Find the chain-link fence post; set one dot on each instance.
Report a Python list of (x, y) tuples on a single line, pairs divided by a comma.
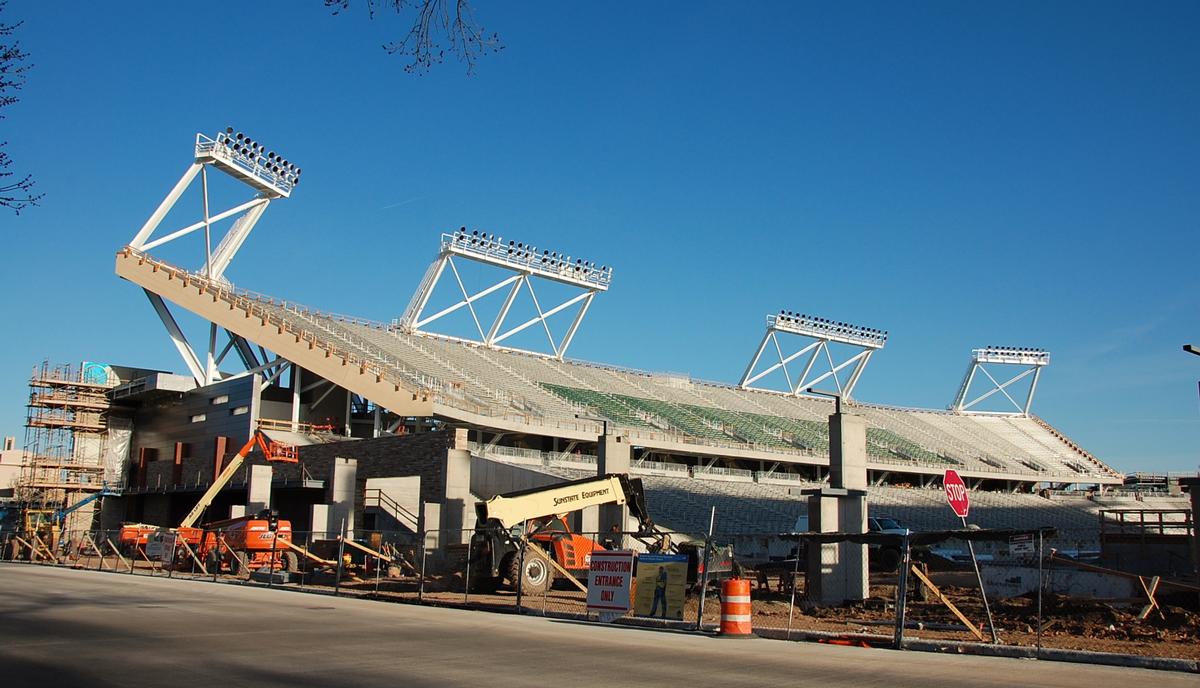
[(337, 581), (902, 592), (378, 561), (524, 545), (216, 560), (421, 583), (467, 574), (305, 563), (792, 585), (712, 520)]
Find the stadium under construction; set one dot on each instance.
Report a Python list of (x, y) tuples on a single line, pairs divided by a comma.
[(401, 425)]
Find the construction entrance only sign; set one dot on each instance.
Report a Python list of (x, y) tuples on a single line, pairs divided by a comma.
[(610, 578)]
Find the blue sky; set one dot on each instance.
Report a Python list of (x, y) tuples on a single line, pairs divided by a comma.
[(959, 174)]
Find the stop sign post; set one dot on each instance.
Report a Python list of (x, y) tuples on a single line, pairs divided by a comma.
[(956, 494), (960, 501)]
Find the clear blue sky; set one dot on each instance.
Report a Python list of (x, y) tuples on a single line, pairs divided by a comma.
[(960, 174)]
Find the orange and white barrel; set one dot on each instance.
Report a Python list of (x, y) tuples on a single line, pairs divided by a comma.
[(736, 612)]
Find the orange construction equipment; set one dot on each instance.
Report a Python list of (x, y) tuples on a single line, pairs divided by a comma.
[(135, 535), (736, 611)]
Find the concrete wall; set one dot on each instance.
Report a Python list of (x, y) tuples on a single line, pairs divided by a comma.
[(10, 469), (160, 426)]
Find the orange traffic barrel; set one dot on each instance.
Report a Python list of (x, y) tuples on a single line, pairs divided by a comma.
[(735, 609)]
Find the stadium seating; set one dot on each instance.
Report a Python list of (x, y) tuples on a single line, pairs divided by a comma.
[(712, 413)]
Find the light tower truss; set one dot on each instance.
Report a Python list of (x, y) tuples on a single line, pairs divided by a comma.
[(270, 177), (524, 265), (1029, 362), (814, 335)]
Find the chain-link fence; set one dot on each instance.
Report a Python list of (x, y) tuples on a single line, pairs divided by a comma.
[(932, 593)]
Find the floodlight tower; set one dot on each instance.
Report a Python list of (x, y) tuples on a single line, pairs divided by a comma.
[(816, 334), (1029, 361), (524, 262), (246, 160)]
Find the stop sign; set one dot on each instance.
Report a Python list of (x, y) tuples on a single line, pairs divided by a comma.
[(956, 493)]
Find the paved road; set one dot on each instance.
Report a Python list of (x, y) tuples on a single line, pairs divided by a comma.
[(75, 628)]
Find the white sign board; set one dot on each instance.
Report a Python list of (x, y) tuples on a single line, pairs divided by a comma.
[(610, 578), (1020, 545), (161, 545)]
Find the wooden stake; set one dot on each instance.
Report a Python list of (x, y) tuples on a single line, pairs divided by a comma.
[(946, 601)]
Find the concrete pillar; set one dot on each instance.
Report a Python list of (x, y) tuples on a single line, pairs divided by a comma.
[(258, 489), (320, 521), (614, 454), (458, 507), (343, 482), (433, 518), (848, 451), (589, 520), (837, 572), (1192, 485)]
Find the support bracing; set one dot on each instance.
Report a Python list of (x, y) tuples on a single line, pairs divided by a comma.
[(269, 177), (525, 267), (1027, 363), (814, 335)]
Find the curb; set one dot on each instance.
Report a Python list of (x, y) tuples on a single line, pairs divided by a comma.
[(877, 641)]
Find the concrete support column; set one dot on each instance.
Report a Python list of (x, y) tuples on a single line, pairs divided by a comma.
[(848, 451), (837, 573), (258, 489), (320, 521), (614, 455), (296, 387), (343, 481), (458, 507)]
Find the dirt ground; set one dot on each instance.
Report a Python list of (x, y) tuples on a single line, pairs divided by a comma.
[(1069, 624)]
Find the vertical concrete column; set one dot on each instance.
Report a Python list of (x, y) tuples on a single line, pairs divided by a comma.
[(433, 519), (320, 521), (343, 481), (848, 451), (258, 489), (614, 455), (822, 560), (458, 507), (838, 572)]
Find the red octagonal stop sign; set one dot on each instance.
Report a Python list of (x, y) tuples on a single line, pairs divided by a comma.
[(956, 493)]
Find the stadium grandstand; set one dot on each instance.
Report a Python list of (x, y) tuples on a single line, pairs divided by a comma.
[(535, 416)]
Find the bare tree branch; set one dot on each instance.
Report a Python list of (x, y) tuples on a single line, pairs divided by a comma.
[(439, 26), (15, 194)]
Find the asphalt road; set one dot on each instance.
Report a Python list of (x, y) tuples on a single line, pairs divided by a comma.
[(79, 628)]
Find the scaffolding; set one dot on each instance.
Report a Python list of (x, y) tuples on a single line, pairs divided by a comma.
[(66, 435)]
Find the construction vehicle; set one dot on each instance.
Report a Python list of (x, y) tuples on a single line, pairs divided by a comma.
[(524, 536), (240, 545), (233, 543)]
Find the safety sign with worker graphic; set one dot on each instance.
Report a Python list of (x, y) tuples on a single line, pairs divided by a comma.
[(661, 586)]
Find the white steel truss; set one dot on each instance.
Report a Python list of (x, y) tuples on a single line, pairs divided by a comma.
[(270, 177), (815, 335), (525, 266), (1029, 362)]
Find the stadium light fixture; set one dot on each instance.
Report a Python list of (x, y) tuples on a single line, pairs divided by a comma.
[(270, 176), (524, 262), (819, 333), (525, 257), (822, 328), (243, 157), (1030, 360)]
